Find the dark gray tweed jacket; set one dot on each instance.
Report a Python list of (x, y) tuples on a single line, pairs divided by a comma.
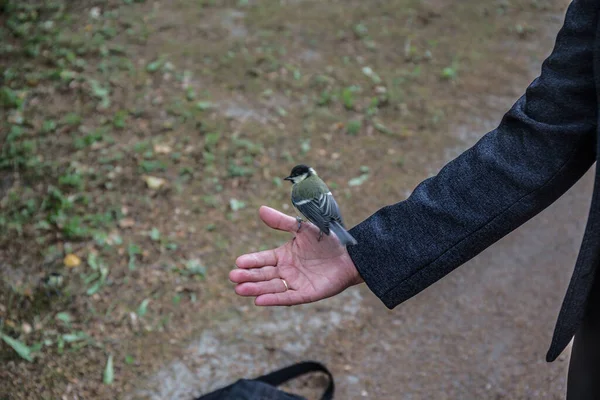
[(542, 146)]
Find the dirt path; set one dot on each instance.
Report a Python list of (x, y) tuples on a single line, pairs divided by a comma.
[(480, 333)]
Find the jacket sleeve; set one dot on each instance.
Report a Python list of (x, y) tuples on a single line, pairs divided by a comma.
[(542, 146)]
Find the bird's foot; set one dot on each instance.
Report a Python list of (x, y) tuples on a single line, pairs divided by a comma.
[(320, 236), (299, 221)]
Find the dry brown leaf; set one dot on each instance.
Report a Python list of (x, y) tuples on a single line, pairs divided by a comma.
[(126, 223), (162, 148), (153, 182), (72, 261)]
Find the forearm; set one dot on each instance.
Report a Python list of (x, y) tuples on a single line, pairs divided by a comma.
[(544, 144), (454, 216)]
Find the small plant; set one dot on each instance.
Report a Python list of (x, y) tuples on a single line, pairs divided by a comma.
[(451, 71), (360, 30), (72, 119), (97, 278), (235, 170), (348, 96), (10, 98), (119, 119), (324, 98), (211, 139), (98, 135), (148, 166), (194, 267), (247, 145), (73, 180), (49, 126), (100, 92), (204, 105), (210, 200), (305, 146), (354, 126), (155, 234), (155, 65), (190, 94), (133, 251)]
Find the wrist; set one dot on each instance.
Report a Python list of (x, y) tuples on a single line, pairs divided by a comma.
[(355, 277)]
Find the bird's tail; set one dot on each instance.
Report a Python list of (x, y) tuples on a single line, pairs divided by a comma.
[(341, 233)]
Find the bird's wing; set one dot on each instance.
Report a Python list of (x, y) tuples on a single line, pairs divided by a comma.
[(319, 210)]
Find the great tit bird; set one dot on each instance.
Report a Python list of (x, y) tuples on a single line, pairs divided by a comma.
[(313, 200)]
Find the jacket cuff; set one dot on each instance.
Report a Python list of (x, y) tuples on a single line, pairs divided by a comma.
[(364, 255)]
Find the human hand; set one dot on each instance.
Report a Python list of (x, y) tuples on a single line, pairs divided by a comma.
[(313, 270)]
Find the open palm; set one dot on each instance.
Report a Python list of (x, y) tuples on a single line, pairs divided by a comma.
[(313, 269)]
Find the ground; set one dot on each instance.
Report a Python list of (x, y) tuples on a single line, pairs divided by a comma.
[(139, 138)]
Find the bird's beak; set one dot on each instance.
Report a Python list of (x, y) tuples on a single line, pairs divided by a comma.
[(289, 178)]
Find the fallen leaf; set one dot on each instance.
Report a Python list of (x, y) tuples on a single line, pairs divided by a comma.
[(154, 65), (162, 148), (204, 105), (95, 12), (26, 328), (195, 267), (27, 292), (21, 348), (143, 308), (126, 223), (358, 180), (92, 261), (109, 373), (368, 71), (94, 288), (153, 182), (155, 234), (236, 204), (64, 317), (382, 128), (72, 261)]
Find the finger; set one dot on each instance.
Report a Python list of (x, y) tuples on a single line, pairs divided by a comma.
[(253, 275), (258, 288), (255, 260), (287, 298), (277, 220)]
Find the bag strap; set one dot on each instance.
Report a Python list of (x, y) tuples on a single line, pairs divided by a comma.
[(282, 375)]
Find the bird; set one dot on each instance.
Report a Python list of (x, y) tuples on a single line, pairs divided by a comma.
[(313, 200)]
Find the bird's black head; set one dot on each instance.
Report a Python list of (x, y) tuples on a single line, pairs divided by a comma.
[(299, 173)]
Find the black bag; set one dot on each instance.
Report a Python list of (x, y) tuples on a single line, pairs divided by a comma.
[(265, 387)]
